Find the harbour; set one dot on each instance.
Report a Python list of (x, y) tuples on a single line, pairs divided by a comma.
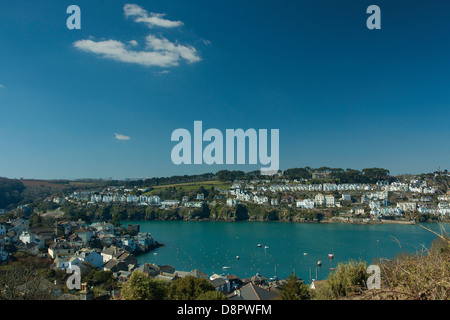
[(275, 249)]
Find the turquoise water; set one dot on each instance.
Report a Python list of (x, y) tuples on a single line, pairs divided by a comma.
[(209, 246)]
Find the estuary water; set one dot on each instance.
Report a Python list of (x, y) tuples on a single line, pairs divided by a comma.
[(284, 246)]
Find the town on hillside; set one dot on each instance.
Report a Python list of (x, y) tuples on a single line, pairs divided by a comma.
[(412, 199), (88, 228)]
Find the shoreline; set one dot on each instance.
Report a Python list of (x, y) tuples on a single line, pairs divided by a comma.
[(327, 221)]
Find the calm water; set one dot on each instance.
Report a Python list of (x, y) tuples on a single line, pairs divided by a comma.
[(209, 246)]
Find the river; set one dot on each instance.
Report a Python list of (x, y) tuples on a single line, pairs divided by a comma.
[(210, 246)]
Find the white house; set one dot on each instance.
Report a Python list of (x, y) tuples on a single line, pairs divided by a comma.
[(170, 203), (346, 197), (329, 200), (90, 256), (319, 199), (407, 206), (220, 283), (132, 198), (27, 237), (200, 196), (305, 204)]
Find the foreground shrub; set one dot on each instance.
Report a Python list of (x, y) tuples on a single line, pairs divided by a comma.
[(424, 276), (348, 278), (295, 289)]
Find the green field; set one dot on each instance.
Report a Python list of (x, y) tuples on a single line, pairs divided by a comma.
[(192, 186)]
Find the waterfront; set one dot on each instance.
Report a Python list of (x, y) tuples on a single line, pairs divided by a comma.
[(210, 246)]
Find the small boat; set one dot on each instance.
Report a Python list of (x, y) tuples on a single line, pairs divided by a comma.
[(155, 253), (266, 247), (237, 257), (259, 245), (330, 255), (305, 253), (331, 269), (226, 267), (319, 263)]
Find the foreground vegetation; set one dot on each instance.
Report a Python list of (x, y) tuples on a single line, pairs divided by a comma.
[(421, 276)]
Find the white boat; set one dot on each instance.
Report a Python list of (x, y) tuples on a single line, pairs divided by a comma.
[(319, 263), (237, 257), (305, 253), (330, 255), (226, 267), (266, 247), (259, 245)]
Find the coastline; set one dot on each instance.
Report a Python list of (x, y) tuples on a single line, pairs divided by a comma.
[(323, 221)]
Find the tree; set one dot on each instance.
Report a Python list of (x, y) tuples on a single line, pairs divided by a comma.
[(142, 287), (35, 220), (189, 288), (295, 289), (27, 279)]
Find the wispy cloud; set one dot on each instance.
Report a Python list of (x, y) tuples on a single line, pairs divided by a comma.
[(150, 19), (118, 51), (158, 51), (121, 137), (163, 45), (1, 86)]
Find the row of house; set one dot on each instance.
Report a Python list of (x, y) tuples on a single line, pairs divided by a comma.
[(122, 198), (320, 187), (415, 186), (253, 288)]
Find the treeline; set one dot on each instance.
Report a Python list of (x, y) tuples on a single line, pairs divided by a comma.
[(164, 180), (338, 175), (11, 192)]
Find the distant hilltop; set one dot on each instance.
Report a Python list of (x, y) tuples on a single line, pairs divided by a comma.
[(21, 191)]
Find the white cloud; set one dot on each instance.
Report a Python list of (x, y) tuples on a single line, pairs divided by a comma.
[(150, 19), (121, 137), (2, 86), (188, 53), (159, 51), (117, 50)]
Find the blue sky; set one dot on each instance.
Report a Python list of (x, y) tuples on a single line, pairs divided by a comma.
[(340, 94)]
